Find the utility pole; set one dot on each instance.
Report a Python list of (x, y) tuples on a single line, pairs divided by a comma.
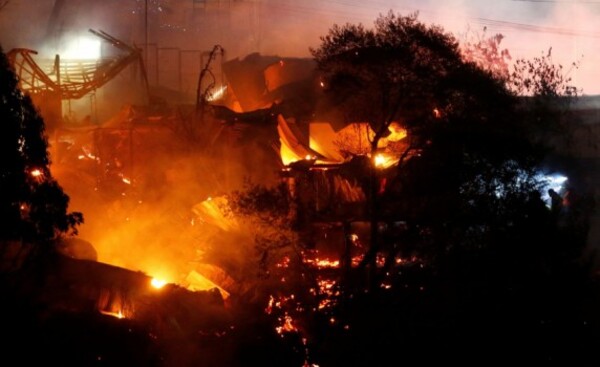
[(146, 33)]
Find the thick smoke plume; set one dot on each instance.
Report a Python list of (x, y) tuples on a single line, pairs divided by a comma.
[(148, 223)]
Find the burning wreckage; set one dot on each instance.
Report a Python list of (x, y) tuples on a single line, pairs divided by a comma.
[(268, 106), (72, 280)]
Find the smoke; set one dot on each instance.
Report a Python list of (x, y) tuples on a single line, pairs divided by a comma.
[(149, 224), (530, 28), (289, 28), (138, 188)]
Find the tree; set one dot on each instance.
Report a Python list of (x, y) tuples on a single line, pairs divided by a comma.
[(404, 71), (548, 95), (387, 73), (486, 52), (490, 257), (32, 204)]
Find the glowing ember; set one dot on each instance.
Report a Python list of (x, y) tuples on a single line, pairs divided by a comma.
[(380, 160), (326, 286), (126, 180), (218, 94), (87, 154), (279, 303), (380, 261), (284, 263), (325, 303), (118, 315), (356, 260), (323, 263), (36, 173), (157, 283), (287, 325)]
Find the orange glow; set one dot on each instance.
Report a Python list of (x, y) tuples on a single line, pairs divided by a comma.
[(118, 315), (384, 161), (86, 154), (380, 261), (397, 132), (284, 263), (325, 303), (36, 173), (324, 263), (195, 281), (157, 283), (218, 94), (356, 260), (379, 160), (287, 325)]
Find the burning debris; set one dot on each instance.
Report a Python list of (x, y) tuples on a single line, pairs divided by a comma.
[(64, 284)]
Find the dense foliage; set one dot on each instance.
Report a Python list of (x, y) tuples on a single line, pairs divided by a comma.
[(33, 206), (488, 259)]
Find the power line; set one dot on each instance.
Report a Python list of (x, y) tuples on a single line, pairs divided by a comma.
[(536, 28), (353, 13), (560, 1)]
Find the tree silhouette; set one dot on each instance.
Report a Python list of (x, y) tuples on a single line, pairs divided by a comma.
[(489, 257), (33, 206), (459, 117)]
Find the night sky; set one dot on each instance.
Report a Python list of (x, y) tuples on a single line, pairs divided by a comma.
[(289, 28)]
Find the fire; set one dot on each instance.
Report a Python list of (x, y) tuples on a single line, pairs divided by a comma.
[(284, 263), (218, 94), (157, 283), (36, 173), (382, 161), (380, 261), (287, 325), (325, 303), (356, 260), (324, 263), (86, 154), (118, 314)]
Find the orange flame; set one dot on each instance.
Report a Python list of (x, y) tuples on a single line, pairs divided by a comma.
[(157, 283), (118, 314)]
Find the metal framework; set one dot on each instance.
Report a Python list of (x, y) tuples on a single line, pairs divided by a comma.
[(72, 79)]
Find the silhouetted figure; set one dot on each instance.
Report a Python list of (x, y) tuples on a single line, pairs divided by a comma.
[(556, 202)]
